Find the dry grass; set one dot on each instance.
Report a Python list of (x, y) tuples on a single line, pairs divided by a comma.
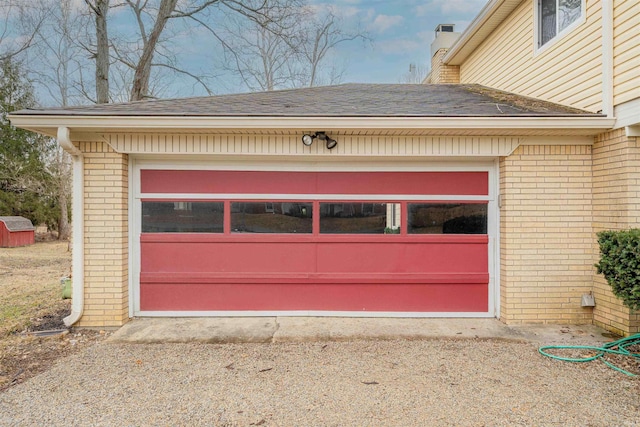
[(31, 299), (30, 283)]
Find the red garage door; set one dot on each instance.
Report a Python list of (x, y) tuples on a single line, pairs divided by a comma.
[(314, 241)]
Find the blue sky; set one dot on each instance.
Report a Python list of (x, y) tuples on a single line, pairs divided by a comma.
[(402, 31)]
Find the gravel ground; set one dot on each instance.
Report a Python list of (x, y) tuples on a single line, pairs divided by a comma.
[(360, 383)]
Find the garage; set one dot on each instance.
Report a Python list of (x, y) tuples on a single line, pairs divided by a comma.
[(361, 243)]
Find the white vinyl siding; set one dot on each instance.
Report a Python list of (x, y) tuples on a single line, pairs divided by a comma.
[(290, 144)]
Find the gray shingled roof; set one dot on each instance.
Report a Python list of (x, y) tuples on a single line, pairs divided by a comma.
[(17, 223), (348, 100)]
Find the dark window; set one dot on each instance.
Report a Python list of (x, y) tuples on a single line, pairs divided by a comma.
[(182, 217), (447, 218), (271, 217), (556, 15), (359, 218)]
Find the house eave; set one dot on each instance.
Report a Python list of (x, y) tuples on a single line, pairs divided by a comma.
[(491, 15), (86, 126)]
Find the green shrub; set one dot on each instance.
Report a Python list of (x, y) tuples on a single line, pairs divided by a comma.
[(620, 264)]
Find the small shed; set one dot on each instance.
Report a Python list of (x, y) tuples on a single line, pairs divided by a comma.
[(16, 231)]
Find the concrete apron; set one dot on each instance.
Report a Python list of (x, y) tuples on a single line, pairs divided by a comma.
[(301, 329)]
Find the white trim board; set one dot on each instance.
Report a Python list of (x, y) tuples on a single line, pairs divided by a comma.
[(628, 114), (492, 167), (311, 313), (284, 197)]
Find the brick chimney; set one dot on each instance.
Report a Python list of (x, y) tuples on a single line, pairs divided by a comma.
[(441, 73)]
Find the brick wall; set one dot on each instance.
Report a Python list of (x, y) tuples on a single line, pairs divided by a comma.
[(616, 206), (546, 236), (441, 73), (105, 239)]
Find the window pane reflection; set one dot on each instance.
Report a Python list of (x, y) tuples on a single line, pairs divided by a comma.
[(359, 218), (447, 218), (182, 217), (271, 217)]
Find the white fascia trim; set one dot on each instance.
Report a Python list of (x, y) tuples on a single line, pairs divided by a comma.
[(478, 22), (310, 313), (157, 124), (557, 140), (632, 131), (77, 207), (329, 197), (628, 116), (607, 58)]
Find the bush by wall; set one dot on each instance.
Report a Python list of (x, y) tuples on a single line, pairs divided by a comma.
[(620, 264)]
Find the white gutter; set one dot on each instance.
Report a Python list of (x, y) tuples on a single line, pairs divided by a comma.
[(105, 124), (77, 262), (607, 58), (481, 18)]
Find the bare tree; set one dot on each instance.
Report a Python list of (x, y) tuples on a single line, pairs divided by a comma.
[(262, 51), (140, 88), (152, 19), (26, 18), (100, 8), (286, 49), (277, 43), (415, 75), (321, 34), (58, 164)]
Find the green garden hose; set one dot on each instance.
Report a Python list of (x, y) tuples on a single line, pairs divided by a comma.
[(619, 347)]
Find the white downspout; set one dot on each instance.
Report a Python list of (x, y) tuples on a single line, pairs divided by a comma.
[(77, 209), (607, 58)]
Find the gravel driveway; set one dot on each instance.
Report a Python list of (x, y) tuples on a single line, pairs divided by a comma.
[(363, 383)]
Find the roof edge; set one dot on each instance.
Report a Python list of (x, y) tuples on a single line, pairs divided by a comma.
[(487, 15), (49, 125)]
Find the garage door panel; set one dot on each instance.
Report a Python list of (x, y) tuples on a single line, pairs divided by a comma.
[(404, 256), (251, 182), (227, 257), (366, 256), (435, 258), (367, 297)]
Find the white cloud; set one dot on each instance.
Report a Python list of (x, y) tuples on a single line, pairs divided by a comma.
[(401, 46), (398, 46), (341, 11), (383, 22), (450, 7)]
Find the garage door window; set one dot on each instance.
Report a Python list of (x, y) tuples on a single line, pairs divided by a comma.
[(447, 218), (271, 217), (359, 218), (182, 217)]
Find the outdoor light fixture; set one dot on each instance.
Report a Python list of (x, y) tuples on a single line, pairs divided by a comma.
[(307, 139)]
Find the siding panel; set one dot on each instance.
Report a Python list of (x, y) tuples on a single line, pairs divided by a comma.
[(626, 51)]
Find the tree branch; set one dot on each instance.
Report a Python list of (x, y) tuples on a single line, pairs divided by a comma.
[(193, 76)]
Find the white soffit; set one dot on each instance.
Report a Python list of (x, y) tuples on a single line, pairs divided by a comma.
[(489, 18)]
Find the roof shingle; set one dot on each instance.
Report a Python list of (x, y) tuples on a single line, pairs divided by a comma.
[(348, 100)]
